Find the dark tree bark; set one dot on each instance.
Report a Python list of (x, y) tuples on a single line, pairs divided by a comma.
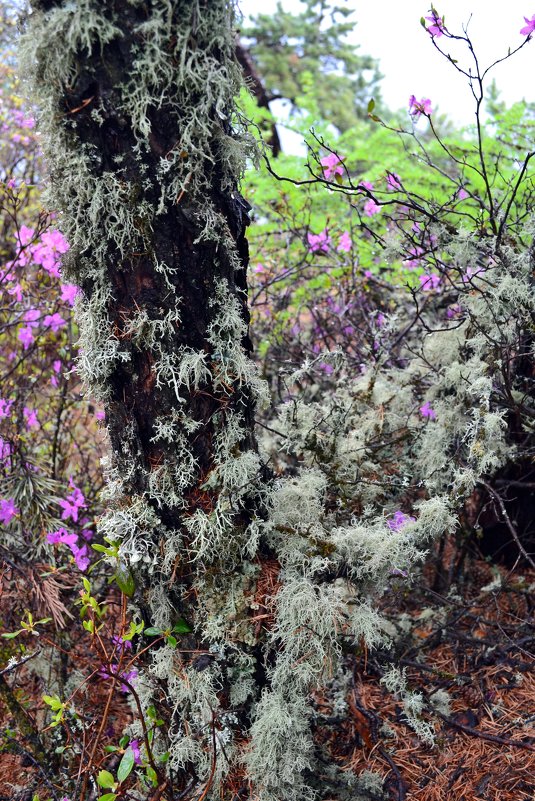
[(137, 113)]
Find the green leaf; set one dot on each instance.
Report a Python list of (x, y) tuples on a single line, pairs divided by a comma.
[(87, 585), (53, 702), (108, 797), (152, 632), (125, 580), (100, 549), (152, 775), (105, 779), (182, 627), (12, 634), (371, 106), (125, 765), (123, 742), (172, 641)]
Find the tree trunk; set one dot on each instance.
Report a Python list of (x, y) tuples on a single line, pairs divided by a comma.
[(138, 118)]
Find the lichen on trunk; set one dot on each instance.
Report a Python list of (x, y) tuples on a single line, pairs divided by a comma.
[(145, 151)]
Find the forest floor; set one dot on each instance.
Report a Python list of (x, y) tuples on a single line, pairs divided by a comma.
[(475, 641)]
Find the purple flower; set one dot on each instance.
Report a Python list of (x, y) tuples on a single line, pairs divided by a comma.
[(319, 242), (393, 180), (81, 557), (429, 282), (8, 510), (427, 411), (136, 753), (31, 418), (344, 244), (25, 336), (399, 520), (5, 450), (120, 644), (437, 24), (371, 208), (529, 27), (5, 407), (419, 107), (54, 321), (332, 165), (68, 293)]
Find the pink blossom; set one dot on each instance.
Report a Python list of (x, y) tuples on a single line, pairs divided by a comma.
[(344, 244), (25, 336), (332, 165), (5, 450), (32, 316), (259, 268), (393, 180), (81, 557), (31, 418), (54, 321), (437, 24), (100, 414), (8, 510), (16, 290), (25, 235), (366, 185), (56, 365), (400, 519), (429, 282), (371, 208), (462, 194), (419, 107), (5, 407), (136, 753), (319, 242), (121, 645), (69, 293), (427, 411), (529, 27)]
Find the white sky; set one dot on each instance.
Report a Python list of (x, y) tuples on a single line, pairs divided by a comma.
[(390, 31)]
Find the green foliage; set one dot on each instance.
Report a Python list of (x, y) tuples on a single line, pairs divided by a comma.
[(292, 49)]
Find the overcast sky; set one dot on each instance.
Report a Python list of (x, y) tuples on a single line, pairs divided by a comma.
[(390, 31)]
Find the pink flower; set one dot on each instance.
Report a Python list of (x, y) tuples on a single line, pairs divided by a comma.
[(344, 244), (429, 282), (437, 24), (427, 411), (319, 242), (54, 321), (529, 27), (81, 557), (462, 194), (8, 510), (32, 316), (5, 407), (400, 519), (25, 336), (259, 268), (393, 180), (371, 208), (332, 165), (16, 290), (136, 753), (419, 107), (5, 450), (69, 293), (31, 418), (366, 185)]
